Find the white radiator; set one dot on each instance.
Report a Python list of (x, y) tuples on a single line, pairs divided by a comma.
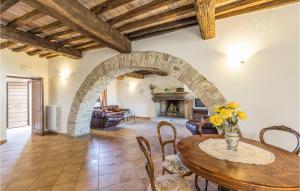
[(52, 117)]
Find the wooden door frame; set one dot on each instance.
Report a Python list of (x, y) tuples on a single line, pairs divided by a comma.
[(28, 78), (32, 116)]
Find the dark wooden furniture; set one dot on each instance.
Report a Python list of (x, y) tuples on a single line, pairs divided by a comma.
[(179, 167), (170, 183), (282, 128), (163, 143), (202, 127), (199, 113), (281, 175)]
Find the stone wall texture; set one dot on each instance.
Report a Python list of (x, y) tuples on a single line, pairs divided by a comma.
[(84, 100)]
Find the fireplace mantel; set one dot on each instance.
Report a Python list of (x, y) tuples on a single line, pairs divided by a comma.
[(156, 97)]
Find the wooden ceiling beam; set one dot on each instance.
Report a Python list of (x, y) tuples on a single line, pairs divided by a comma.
[(238, 5), (153, 5), (25, 19), (172, 14), (161, 27), (108, 5), (52, 56), (259, 7), (37, 42), (164, 31), (21, 48), (85, 44), (6, 4), (74, 15), (7, 44), (156, 4), (45, 54), (91, 47), (205, 12), (51, 26), (73, 40), (60, 34), (35, 52)]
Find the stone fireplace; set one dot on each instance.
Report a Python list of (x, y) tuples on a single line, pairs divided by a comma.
[(172, 104)]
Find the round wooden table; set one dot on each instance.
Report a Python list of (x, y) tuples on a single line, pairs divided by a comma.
[(282, 174)]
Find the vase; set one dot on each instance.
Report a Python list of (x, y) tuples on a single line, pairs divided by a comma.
[(232, 140)]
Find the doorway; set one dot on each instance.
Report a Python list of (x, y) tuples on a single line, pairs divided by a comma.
[(25, 104)]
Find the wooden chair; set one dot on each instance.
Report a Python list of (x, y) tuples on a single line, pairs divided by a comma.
[(172, 182), (282, 128), (172, 163)]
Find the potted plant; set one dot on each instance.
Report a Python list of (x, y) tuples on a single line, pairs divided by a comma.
[(226, 118)]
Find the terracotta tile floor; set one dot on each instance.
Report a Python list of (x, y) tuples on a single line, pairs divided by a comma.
[(107, 160)]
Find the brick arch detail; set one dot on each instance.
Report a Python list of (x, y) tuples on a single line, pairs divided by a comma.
[(84, 100)]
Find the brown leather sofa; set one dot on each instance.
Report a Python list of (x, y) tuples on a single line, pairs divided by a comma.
[(108, 116)]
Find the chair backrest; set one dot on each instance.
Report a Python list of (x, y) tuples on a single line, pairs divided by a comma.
[(282, 128), (171, 141), (146, 149)]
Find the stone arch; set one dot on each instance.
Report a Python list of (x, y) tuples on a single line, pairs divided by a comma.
[(84, 100)]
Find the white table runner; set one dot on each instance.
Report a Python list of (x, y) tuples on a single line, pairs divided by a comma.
[(246, 153)]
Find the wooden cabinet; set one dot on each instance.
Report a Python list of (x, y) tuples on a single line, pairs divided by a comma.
[(198, 114)]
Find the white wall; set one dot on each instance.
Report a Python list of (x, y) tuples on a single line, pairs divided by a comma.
[(135, 94), (266, 86), (112, 93), (10, 64)]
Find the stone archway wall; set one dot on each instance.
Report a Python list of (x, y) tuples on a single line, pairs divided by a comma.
[(105, 72)]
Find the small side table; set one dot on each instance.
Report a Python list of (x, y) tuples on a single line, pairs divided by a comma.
[(128, 115)]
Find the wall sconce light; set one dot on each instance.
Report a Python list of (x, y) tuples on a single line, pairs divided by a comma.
[(64, 74), (132, 86), (238, 54)]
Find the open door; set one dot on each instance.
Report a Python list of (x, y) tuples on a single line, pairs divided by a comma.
[(37, 107)]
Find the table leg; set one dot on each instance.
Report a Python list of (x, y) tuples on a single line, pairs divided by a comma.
[(196, 183)]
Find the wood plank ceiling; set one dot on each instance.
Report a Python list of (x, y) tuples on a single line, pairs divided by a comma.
[(50, 28)]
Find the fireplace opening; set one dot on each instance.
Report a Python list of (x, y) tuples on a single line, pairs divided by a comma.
[(173, 109)]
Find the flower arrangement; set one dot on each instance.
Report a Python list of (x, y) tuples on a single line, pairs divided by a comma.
[(227, 116)]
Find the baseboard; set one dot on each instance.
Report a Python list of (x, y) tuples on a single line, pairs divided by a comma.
[(3, 141), (55, 133)]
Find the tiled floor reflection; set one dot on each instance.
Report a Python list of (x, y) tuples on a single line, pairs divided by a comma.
[(108, 160)]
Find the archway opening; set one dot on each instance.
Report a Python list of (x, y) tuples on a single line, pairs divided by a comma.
[(107, 71)]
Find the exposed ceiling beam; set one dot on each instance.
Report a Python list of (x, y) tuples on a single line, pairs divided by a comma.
[(25, 19), (51, 26), (91, 47), (221, 12), (108, 5), (73, 39), (259, 7), (161, 27), (35, 52), (156, 4), (153, 5), (164, 31), (238, 5), (157, 18), (7, 44), (205, 12), (60, 34), (21, 48), (52, 56), (85, 44), (6, 4), (45, 54), (75, 15), (37, 42)]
